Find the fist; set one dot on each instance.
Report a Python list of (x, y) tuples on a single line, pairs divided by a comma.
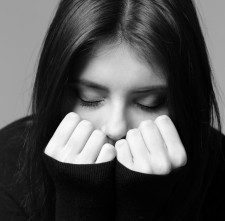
[(76, 141), (152, 148)]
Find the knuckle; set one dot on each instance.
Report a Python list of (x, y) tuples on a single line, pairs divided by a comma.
[(108, 148), (133, 132), (162, 167), (180, 160), (87, 124), (63, 156), (78, 160), (51, 151), (72, 116), (83, 159), (48, 152), (120, 143), (146, 124), (99, 134), (142, 166), (162, 119), (146, 169)]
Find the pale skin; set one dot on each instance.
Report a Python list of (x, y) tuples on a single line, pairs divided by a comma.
[(120, 113)]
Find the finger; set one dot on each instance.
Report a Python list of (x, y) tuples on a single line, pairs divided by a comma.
[(62, 133), (123, 153), (137, 146), (153, 139), (107, 153), (93, 147), (175, 148), (79, 138)]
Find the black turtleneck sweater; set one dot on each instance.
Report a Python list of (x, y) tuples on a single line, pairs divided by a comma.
[(106, 191)]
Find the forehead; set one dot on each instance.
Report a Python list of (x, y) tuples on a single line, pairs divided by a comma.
[(120, 68)]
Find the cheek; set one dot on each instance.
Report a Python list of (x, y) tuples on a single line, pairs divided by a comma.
[(95, 117), (138, 116)]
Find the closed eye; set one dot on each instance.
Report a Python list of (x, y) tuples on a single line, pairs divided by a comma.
[(90, 104), (161, 102)]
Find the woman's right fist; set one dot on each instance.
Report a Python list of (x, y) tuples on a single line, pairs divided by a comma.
[(76, 141)]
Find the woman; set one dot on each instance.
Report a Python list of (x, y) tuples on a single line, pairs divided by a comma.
[(123, 110)]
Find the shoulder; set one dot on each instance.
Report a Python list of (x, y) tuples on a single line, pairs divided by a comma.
[(13, 135), (215, 196), (12, 139), (14, 130)]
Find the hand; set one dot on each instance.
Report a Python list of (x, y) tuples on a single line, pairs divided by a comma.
[(152, 148), (76, 141)]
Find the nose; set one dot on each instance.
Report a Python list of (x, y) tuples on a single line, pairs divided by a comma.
[(116, 125)]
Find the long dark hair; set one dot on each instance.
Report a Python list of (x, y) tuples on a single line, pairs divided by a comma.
[(165, 30)]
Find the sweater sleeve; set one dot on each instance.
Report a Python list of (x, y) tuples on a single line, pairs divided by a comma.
[(83, 191), (142, 196)]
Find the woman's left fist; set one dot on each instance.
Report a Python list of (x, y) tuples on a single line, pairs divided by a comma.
[(152, 148)]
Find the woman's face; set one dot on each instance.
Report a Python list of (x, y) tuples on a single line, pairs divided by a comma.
[(116, 91)]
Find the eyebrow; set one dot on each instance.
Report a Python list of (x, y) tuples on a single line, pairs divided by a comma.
[(147, 89), (92, 85)]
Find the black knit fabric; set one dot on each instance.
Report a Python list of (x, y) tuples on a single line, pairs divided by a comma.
[(105, 191), (83, 192), (142, 196)]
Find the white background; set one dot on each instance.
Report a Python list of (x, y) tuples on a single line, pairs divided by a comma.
[(23, 24)]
